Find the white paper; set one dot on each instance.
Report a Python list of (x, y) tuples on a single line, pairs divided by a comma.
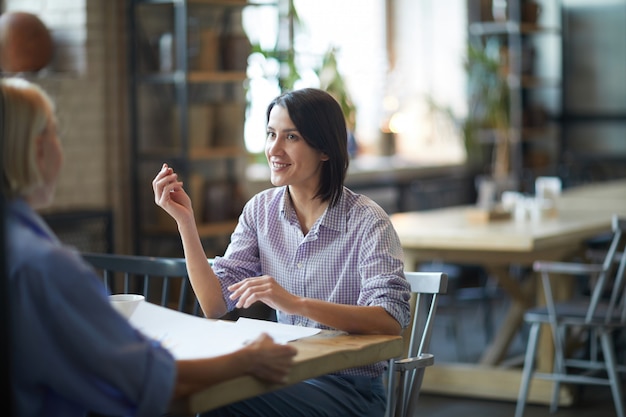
[(191, 337), (281, 333)]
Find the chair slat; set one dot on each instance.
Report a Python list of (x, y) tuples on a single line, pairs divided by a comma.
[(148, 275)]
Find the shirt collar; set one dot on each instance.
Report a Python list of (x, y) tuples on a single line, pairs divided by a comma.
[(29, 217), (334, 218)]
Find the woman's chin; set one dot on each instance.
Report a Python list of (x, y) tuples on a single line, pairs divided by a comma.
[(41, 197), (276, 181)]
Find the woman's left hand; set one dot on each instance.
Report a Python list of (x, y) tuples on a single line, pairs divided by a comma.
[(265, 289)]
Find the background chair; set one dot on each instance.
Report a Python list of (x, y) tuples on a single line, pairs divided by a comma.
[(406, 374), (163, 281), (602, 314)]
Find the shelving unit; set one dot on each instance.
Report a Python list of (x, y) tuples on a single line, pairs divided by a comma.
[(528, 36), (594, 99), (188, 99)]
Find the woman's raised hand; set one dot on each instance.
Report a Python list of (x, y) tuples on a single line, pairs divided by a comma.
[(170, 195)]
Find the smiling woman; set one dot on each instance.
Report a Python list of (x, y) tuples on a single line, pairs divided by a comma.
[(318, 253)]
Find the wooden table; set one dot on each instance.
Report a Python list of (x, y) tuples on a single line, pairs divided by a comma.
[(317, 355), (448, 235)]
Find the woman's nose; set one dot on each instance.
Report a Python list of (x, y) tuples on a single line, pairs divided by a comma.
[(275, 146)]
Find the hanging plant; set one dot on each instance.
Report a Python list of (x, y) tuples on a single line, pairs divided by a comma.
[(332, 82), (288, 72), (489, 103)]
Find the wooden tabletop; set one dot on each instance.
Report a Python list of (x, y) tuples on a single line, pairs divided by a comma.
[(581, 213), (450, 228), (317, 355)]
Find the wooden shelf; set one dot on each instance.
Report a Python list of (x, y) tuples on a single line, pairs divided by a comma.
[(217, 229), (206, 230), (538, 133), (526, 50), (194, 77), (190, 115), (228, 3), (509, 28), (195, 154), (216, 76), (199, 154)]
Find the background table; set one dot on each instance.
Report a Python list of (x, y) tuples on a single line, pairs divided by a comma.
[(449, 235)]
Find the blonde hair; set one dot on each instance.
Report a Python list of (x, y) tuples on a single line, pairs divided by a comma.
[(24, 115)]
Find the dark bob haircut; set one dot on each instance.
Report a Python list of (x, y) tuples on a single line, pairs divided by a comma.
[(319, 119)]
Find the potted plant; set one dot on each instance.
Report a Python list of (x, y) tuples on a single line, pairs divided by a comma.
[(488, 114)]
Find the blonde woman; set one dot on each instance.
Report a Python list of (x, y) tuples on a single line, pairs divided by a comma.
[(71, 353)]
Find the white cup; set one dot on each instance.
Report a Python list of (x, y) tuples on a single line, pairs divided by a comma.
[(509, 200), (126, 304), (548, 188)]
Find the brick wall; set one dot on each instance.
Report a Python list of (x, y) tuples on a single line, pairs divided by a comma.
[(87, 80)]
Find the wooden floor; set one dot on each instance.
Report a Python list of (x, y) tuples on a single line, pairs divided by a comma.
[(594, 402), (467, 345)]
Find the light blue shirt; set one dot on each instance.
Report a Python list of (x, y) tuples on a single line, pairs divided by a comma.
[(70, 351), (351, 255)]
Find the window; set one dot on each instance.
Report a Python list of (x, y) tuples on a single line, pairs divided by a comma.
[(354, 27), (429, 41)]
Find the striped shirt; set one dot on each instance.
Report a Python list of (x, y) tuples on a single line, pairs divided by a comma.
[(351, 255)]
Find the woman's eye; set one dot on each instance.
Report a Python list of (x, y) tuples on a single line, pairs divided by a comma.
[(270, 135)]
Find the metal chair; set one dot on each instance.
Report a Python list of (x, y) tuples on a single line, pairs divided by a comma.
[(163, 281), (600, 315), (405, 375)]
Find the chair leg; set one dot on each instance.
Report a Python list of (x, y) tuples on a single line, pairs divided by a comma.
[(609, 358), (418, 378), (457, 329), (529, 364), (391, 390), (487, 316), (559, 364)]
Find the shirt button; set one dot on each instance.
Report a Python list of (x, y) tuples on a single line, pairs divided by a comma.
[(299, 265)]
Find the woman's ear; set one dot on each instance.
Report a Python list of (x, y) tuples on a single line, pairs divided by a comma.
[(40, 151)]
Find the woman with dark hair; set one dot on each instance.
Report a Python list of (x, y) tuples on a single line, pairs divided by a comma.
[(311, 249)]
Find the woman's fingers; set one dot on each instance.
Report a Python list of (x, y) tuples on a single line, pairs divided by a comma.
[(249, 291), (274, 361), (165, 182)]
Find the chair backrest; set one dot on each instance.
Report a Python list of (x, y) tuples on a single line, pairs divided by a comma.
[(612, 276), (425, 290), (163, 281), (607, 301), (406, 373)]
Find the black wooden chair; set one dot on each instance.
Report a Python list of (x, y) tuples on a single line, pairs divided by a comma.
[(163, 281)]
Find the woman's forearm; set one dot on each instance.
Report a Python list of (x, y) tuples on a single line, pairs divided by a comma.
[(350, 318), (261, 358), (193, 375), (205, 284)]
